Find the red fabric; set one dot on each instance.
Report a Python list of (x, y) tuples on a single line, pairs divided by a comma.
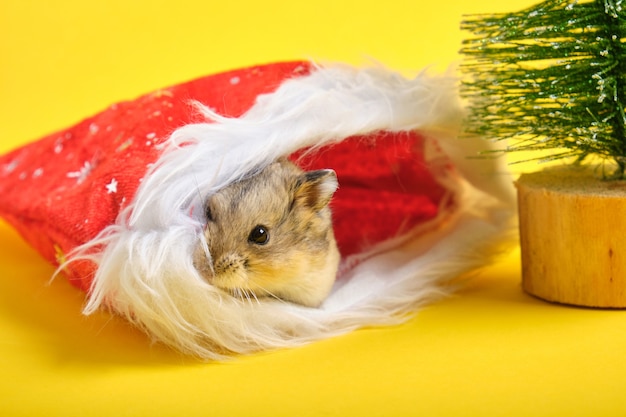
[(62, 190), (385, 187)]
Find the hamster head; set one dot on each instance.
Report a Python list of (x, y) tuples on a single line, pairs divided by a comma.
[(271, 235)]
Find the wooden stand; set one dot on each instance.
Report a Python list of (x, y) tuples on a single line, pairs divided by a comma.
[(573, 237)]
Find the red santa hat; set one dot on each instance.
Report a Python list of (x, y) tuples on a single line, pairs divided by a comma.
[(119, 196)]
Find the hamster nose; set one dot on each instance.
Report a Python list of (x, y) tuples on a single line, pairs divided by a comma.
[(228, 263)]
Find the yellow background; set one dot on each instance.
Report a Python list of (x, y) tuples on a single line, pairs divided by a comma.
[(488, 350)]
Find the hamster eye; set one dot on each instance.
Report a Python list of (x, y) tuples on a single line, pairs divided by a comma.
[(259, 235), (208, 214)]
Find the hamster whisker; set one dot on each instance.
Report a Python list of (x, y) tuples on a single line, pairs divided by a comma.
[(253, 295), (272, 295), (200, 196), (237, 293), (249, 296), (207, 253), (244, 294)]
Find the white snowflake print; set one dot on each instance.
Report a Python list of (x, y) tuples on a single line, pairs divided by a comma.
[(10, 167), (58, 146), (112, 186), (82, 174)]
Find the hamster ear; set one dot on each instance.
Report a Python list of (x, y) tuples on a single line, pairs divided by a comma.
[(315, 188)]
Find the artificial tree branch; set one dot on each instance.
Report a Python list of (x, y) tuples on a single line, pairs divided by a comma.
[(550, 77)]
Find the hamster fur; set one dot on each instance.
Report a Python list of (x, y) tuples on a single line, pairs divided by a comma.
[(271, 235)]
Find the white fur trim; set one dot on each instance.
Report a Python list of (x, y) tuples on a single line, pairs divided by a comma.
[(146, 273)]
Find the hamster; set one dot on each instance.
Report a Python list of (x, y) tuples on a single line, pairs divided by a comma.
[(271, 235)]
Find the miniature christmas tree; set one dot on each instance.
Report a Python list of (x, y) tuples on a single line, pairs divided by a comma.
[(551, 77)]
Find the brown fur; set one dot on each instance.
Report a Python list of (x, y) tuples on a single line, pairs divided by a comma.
[(298, 262)]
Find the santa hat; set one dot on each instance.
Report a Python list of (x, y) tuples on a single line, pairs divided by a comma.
[(120, 197)]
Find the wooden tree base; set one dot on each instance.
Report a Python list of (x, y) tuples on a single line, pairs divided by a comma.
[(573, 237)]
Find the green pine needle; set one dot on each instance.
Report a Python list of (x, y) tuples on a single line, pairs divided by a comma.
[(551, 77)]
